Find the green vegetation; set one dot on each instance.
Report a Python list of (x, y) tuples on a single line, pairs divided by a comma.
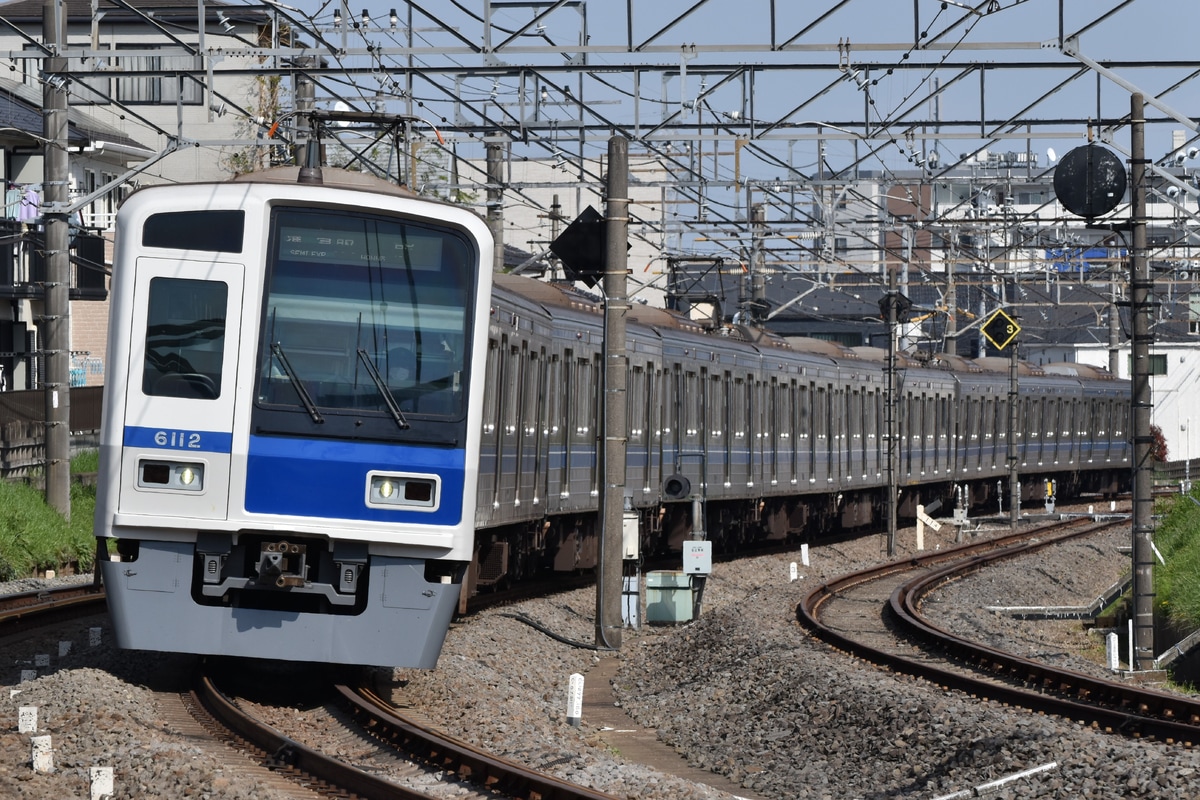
[(35, 537), (1177, 583)]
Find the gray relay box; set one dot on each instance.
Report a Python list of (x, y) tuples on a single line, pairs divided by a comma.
[(697, 558)]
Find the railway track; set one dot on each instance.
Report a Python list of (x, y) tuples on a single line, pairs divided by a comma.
[(404, 739), (309, 772), (875, 614), (26, 611)]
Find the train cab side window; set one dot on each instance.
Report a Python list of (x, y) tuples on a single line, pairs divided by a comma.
[(206, 231), (185, 338)]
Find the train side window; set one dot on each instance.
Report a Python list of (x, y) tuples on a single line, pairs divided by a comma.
[(185, 338)]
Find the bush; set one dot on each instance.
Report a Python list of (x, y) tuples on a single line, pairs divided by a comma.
[(35, 537)]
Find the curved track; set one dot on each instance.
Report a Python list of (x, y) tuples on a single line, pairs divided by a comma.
[(23, 612), (875, 614), (492, 777)]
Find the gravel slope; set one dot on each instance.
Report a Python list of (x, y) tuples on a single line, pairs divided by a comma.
[(742, 690)]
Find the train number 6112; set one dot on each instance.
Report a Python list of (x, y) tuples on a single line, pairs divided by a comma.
[(183, 439)]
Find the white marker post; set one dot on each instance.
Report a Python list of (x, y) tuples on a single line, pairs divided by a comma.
[(43, 755), (793, 572), (1113, 651), (575, 699), (27, 719), (924, 520), (804, 554), (102, 782)]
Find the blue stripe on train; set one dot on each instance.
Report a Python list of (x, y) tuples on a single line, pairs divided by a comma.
[(178, 439), (325, 478)]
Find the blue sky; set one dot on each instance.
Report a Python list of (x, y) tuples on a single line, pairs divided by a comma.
[(878, 36)]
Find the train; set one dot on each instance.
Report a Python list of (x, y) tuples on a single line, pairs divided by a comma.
[(327, 423)]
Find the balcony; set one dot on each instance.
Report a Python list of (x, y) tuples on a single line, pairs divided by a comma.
[(23, 264)]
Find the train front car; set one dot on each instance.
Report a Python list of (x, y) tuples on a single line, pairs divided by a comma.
[(290, 421)]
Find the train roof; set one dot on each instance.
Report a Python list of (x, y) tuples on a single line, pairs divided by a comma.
[(1079, 370), (332, 177)]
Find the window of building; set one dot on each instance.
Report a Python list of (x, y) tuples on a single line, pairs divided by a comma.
[(157, 83)]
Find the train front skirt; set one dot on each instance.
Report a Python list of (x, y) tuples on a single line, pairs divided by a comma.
[(153, 609)]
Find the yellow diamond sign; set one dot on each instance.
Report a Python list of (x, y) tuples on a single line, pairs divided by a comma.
[(1001, 329)]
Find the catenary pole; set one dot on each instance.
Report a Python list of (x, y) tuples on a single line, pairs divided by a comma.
[(616, 307), (56, 321), (1141, 283)]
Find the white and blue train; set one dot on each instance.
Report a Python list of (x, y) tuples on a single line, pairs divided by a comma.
[(327, 424), (291, 427)]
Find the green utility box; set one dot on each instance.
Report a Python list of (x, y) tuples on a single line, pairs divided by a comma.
[(668, 596)]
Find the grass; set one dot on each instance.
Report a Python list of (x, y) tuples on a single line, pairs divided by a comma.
[(34, 537), (1177, 582)]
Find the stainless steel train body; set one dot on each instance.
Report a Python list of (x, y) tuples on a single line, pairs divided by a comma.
[(291, 423), (775, 440)]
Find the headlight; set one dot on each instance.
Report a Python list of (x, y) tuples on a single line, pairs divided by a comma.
[(403, 491), (171, 475)]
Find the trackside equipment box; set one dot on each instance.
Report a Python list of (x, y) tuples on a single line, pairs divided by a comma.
[(668, 596)]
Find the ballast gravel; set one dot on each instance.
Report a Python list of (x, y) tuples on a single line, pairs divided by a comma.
[(742, 690)]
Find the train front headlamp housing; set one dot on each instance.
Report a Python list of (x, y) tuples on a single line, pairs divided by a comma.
[(407, 491), (184, 476)]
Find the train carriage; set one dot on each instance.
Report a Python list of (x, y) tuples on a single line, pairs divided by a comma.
[(327, 424), (291, 434)]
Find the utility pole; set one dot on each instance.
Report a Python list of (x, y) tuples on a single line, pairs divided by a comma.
[(495, 197), (1140, 285), (1014, 480), (56, 316), (892, 405), (616, 307)]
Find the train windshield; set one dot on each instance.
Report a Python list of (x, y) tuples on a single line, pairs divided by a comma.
[(365, 316)]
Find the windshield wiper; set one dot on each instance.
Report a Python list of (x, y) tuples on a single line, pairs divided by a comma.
[(388, 397), (305, 397)]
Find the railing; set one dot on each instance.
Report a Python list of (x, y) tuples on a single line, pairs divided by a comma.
[(23, 432)]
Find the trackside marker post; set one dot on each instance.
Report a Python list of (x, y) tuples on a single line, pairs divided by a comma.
[(804, 554), (575, 699), (27, 719), (793, 572), (43, 755), (102, 782)]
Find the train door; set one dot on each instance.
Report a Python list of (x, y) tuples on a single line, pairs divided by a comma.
[(737, 420), (636, 445), (875, 420), (556, 429), (718, 416), (489, 447), (775, 434), (581, 445), (821, 433), (691, 446), (180, 401), (853, 429), (529, 456), (510, 441)]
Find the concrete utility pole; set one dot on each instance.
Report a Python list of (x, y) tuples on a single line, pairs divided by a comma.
[(892, 406), (1141, 283), (495, 197), (56, 318), (616, 307)]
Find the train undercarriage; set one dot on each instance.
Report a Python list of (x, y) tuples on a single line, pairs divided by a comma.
[(571, 542)]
